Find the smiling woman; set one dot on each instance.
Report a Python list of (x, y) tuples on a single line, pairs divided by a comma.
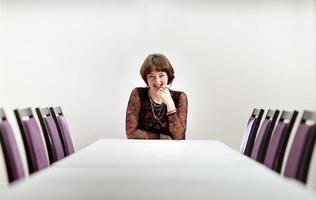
[(155, 111)]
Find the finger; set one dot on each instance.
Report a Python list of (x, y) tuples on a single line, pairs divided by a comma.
[(163, 87), (160, 94), (161, 90)]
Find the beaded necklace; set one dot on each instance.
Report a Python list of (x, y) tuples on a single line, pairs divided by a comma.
[(158, 110)]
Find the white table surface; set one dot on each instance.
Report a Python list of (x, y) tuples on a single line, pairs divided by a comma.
[(153, 169)]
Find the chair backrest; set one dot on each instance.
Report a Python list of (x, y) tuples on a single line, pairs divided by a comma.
[(250, 131), (297, 165), (63, 129), (53, 141), (260, 147), (10, 150), (33, 143), (279, 139)]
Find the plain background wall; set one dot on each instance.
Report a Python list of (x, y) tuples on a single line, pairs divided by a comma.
[(229, 57)]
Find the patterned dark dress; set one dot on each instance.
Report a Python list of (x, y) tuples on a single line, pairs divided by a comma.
[(141, 123)]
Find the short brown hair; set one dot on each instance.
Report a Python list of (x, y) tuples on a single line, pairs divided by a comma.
[(157, 62)]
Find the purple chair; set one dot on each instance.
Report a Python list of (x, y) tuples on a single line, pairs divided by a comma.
[(264, 135), (10, 150), (250, 132), (297, 165), (277, 145), (53, 141), (63, 129), (33, 143)]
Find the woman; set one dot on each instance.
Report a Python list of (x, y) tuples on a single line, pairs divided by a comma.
[(155, 111)]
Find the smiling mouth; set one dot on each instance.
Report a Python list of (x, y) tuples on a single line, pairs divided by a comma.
[(160, 86)]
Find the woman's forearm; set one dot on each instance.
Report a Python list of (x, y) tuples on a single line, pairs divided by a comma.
[(165, 137), (176, 128), (177, 120), (141, 134)]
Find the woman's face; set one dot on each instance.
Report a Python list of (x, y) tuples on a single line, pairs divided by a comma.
[(157, 80)]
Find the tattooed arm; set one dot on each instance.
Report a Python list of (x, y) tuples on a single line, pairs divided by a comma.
[(132, 116), (178, 120)]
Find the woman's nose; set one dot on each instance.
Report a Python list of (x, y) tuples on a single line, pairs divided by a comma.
[(157, 80)]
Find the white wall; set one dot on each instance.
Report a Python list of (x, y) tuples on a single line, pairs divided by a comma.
[(1, 52), (3, 178), (229, 56)]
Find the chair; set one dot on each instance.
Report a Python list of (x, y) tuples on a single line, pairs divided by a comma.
[(10, 150), (53, 141), (251, 132), (279, 139), (63, 129), (33, 143), (297, 165), (264, 135)]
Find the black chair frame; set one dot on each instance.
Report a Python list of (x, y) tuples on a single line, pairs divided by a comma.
[(257, 114)]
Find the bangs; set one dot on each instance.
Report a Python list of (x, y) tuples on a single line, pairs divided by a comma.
[(157, 63), (155, 69)]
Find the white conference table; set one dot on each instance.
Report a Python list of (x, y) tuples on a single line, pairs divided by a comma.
[(153, 169)]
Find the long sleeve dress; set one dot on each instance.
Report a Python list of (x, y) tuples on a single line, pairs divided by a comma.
[(142, 124)]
